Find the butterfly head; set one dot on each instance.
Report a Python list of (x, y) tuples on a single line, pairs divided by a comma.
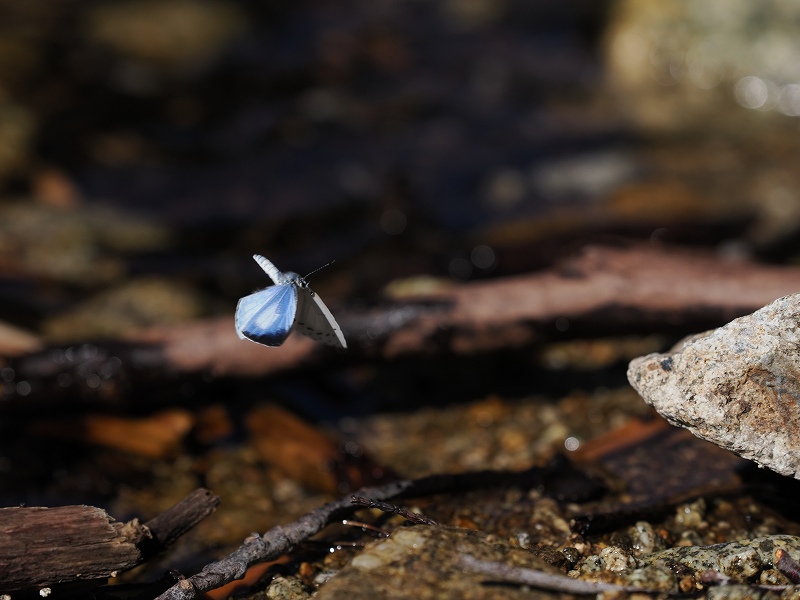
[(295, 279)]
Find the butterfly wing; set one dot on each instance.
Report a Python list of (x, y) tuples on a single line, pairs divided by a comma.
[(278, 278), (316, 321), (266, 317)]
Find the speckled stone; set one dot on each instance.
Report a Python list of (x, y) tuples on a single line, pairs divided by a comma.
[(737, 386), (747, 592), (742, 560), (284, 588)]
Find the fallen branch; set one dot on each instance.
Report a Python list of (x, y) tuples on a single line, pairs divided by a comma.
[(284, 538), (604, 291), (277, 541)]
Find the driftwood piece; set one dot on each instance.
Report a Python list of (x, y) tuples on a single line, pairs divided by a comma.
[(604, 291), (41, 546)]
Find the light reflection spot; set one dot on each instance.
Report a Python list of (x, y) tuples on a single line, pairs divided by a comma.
[(751, 92), (393, 222), (483, 257), (460, 268)]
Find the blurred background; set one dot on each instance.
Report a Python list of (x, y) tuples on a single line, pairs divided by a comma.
[(148, 148)]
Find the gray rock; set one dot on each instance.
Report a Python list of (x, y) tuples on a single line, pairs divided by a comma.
[(737, 386)]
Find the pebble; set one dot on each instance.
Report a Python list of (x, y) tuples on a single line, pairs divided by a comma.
[(737, 386)]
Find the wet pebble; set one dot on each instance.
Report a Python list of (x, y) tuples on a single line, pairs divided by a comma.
[(284, 588), (613, 558), (644, 539)]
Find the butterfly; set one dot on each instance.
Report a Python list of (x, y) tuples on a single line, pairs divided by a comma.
[(269, 315)]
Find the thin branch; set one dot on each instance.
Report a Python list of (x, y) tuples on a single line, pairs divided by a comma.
[(276, 542), (562, 583), (393, 509), (171, 524), (710, 576), (548, 581)]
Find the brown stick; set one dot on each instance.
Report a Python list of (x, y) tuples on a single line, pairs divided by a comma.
[(171, 524)]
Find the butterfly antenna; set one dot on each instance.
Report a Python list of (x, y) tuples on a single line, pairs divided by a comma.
[(319, 269)]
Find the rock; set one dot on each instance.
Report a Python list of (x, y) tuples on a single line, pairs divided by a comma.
[(737, 386)]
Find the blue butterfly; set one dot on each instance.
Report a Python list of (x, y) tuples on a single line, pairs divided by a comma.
[(269, 315)]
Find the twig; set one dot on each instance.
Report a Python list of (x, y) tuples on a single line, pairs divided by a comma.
[(377, 531), (713, 577), (562, 583), (393, 509), (277, 541), (171, 524), (548, 581)]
